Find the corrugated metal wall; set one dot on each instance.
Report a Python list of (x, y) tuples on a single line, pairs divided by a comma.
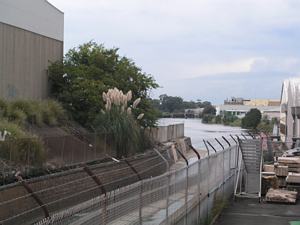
[(24, 59)]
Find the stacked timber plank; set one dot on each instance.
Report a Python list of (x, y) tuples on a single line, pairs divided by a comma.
[(281, 196), (293, 178), (282, 180), (293, 163)]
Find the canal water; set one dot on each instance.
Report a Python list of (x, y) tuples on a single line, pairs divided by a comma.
[(197, 131)]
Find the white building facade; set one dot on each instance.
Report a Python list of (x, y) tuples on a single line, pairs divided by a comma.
[(241, 110)]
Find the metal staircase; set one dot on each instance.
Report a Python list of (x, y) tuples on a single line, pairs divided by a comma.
[(249, 172)]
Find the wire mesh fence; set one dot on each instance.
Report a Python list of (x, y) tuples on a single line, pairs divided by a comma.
[(45, 155), (178, 196)]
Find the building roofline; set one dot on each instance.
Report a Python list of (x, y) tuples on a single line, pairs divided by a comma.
[(54, 6)]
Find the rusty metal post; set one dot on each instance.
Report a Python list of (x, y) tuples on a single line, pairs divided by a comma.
[(226, 141), (141, 189), (220, 143), (211, 146), (33, 195), (206, 147), (168, 185), (233, 138), (198, 183), (195, 151), (103, 191), (244, 136), (187, 183), (132, 168)]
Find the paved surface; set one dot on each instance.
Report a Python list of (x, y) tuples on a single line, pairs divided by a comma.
[(250, 212)]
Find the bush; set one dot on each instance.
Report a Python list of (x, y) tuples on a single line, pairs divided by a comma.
[(251, 119), (19, 146), (36, 113)]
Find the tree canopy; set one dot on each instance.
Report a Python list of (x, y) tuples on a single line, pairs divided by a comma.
[(251, 119), (91, 69), (171, 104)]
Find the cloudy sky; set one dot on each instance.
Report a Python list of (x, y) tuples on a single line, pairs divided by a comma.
[(197, 49)]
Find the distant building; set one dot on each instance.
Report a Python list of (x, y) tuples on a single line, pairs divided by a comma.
[(240, 110), (252, 102), (31, 36), (197, 112), (290, 109), (262, 102), (234, 101)]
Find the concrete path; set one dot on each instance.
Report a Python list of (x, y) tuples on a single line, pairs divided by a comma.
[(250, 212)]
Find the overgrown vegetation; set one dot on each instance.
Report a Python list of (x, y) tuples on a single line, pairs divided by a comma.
[(17, 143), (91, 69), (39, 113)]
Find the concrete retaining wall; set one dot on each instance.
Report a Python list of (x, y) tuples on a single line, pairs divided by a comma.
[(167, 133)]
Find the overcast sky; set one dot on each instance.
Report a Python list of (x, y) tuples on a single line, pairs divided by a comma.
[(197, 49)]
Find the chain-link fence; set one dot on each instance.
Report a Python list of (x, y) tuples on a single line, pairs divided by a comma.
[(191, 195), (42, 155)]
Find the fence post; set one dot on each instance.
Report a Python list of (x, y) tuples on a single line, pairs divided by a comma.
[(199, 180), (211, 146), (199, 191), (141, 190), (187, 183), (168, 184), (99, 183), (34, 195)]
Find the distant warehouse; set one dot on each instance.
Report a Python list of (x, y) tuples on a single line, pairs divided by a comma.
[(31, 36)]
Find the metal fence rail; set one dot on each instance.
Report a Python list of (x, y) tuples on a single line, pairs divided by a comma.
[(192, 194)]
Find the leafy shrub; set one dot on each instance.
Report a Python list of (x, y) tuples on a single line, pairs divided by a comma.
[(251, 119)]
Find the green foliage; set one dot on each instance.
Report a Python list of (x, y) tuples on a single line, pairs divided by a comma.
[(209, 109), (120, 122), (251, 119), (20, 146), (171, 104), (266, 125), (227, 119), (91, 69), (123, 132), (37, 113), (208, 118)]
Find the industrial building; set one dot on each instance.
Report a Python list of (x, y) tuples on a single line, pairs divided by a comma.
[(238, 107), (290, 110), (240, 110), (31, 36)]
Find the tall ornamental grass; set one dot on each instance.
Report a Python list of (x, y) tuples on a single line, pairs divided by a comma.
[(119, 122)]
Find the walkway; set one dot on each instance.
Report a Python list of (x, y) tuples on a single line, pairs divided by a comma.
[(250, 212)]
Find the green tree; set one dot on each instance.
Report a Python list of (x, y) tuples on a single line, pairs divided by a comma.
[(251, 119), (209, 109), (171, 103), (91, 69)]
